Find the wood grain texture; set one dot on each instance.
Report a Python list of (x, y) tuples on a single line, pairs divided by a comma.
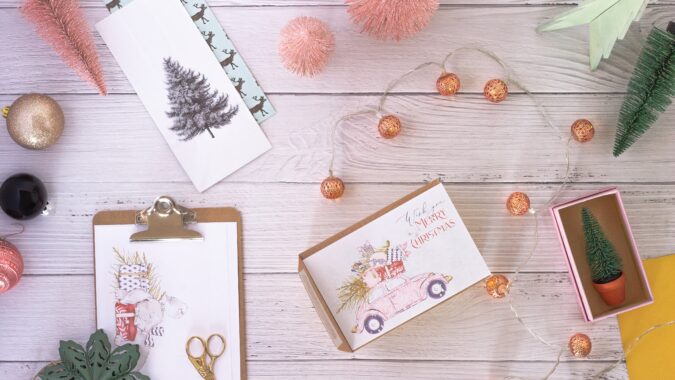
[(61, 243), (112, 157), (341, 3), (383, 369), (551, 62), (281, 323), (462, 140)]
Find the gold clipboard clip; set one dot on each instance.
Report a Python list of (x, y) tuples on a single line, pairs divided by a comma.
[(166, 220)]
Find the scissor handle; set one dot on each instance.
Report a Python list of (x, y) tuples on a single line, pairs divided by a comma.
[(208, 345), (187, 347)]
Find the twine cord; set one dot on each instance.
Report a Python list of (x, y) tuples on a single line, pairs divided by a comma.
[(511, 78), (23, 228)]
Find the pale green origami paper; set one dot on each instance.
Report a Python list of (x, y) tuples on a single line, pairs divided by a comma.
[(608, 21)]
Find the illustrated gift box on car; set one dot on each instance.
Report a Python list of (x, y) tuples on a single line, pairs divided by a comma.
[(391, 267)]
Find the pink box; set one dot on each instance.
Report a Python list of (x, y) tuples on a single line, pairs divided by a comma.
[(607, 206)]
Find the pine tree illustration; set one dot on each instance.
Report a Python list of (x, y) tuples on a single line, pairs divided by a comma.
[(604, 262), (195, 108)]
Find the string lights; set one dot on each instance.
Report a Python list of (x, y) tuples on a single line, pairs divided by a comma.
[(518, 203)]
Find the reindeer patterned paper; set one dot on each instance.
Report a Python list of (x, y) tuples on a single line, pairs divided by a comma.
[(159, 294), (396, 267), (193, 103), (228, 56)]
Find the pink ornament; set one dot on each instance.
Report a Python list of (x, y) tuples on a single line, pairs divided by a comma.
[(11, 265), (392, 19), (62, 24), (305, 45)]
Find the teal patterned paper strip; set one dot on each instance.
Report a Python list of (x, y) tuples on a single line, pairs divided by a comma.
[(224, 50)]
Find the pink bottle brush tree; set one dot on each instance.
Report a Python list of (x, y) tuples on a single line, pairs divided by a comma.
[(61, 23)]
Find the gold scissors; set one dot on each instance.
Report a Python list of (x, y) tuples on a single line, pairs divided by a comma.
[(204, 363)]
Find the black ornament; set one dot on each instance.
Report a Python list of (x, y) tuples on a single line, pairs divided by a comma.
[(23, 196)]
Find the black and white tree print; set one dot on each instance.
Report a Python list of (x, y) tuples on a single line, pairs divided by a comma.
[(195, 108)]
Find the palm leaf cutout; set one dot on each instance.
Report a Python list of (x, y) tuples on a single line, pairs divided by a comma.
[(608, 21), (96, 362)]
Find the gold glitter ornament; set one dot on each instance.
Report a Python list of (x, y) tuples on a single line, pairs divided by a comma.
[(497, 285), (580, 345), (389, 126), (332, 187), (495, 90), (583, 130), (518, 204), (447, 84), (34, 121)]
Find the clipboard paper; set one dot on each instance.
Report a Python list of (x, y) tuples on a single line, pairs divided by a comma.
[(194, 300)]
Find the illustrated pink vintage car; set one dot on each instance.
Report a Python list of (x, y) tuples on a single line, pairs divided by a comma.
[(394, 296)]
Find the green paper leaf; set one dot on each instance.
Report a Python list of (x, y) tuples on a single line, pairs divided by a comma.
[(608, 21), (121, 362), (56, 371), (74, 359), (98, 352)]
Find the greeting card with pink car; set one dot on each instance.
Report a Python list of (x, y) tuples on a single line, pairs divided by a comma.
[(397, 266)]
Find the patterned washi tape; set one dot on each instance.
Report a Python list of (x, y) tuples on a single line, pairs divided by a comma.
[(224, 50)]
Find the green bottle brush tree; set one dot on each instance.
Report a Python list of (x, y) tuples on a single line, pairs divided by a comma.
[(650, 90), (95, 362), (605, 263)]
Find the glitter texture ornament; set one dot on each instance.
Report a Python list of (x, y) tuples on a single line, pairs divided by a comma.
[(34, 121), (389, 126), (580, 345), (332, 187), (23, 196), (305, 45), (447, 84), (495, 90), (11, 265), (582, 130), (518, 203), (391, 19), (497, 285)]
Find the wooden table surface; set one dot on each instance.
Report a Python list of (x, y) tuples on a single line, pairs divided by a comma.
[(111, 156)]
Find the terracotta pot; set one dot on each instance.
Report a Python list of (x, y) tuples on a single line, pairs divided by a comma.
[(613, 292)]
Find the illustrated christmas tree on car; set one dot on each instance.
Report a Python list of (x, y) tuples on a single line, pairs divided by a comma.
[(378, 288)]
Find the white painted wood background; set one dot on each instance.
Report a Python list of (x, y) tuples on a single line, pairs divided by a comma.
[(111, 156)]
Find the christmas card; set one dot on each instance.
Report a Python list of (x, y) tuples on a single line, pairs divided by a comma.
[(390, 267), (227, 54), (192, 101)]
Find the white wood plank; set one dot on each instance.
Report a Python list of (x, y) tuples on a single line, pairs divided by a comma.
[(551, 62), (378, 369), (282, 325), (114, 139), (61, 243), (425, 370), (341, 3)]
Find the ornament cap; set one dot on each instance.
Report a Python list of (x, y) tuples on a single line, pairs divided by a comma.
[(5, 111)]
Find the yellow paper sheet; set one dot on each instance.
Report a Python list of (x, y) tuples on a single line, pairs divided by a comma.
[(652, 357)]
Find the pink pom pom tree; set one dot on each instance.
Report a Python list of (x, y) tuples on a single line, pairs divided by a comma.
[(62, 24), (392, 19), (305, 45)]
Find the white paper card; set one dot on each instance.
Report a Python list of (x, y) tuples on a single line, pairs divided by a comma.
[(193, 103), (159, 294), (396, 267)]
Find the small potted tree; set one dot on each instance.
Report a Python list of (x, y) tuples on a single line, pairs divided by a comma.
[(606, 265)]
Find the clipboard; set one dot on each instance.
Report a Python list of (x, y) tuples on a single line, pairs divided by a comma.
[(167, 222)]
